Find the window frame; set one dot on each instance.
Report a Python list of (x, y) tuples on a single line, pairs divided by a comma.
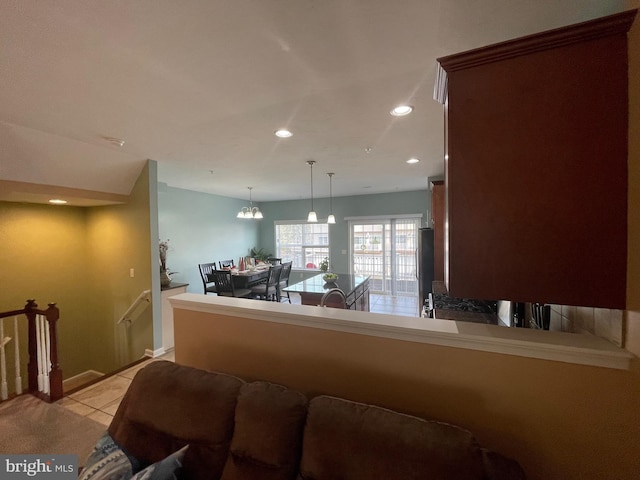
[(302, 246)]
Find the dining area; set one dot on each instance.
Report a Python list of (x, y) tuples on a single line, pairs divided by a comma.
[(269, 280), (251, 278)]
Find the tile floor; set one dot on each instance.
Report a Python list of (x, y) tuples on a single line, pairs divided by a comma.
[(100, 400)]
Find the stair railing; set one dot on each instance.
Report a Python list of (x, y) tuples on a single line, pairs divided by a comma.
[(43, 368)]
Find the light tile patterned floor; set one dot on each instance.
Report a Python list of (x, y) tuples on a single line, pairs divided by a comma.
[(100, 400)]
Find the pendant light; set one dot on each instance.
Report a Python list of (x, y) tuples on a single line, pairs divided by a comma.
[(312, 217), (250, 211), (331, 219)]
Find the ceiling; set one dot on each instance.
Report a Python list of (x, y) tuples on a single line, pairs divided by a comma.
[(200, 86)]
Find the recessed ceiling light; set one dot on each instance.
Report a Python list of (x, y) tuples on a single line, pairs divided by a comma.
[(402, 110), (413, 160), (283, 133), (57, 201)]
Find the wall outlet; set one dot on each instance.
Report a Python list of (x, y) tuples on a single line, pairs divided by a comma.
[(132, 273)]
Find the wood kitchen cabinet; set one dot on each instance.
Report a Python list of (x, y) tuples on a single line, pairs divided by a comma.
[(536, 167), (438, 217)]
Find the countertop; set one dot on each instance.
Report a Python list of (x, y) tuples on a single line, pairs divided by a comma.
[(347, 283), (173, 285), (460, 309)]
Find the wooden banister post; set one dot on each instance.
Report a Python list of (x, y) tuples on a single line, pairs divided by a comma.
[(32, 366), (55, 375)]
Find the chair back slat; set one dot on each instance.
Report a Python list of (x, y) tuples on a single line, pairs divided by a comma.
[(223, 281), (274, 275), (226, 264), (207, 278)]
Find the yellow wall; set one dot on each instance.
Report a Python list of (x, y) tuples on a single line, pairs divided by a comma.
[(80, 259), (43, 256), (118, 239)]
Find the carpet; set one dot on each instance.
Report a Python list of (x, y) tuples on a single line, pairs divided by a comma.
[(29, 425)]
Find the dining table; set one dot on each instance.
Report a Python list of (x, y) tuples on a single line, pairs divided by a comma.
[(250, 277)]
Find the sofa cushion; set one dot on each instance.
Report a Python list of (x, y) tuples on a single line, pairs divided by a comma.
[(165, 469), (108, 461), (268, 433), (168, 406), (348, 441)]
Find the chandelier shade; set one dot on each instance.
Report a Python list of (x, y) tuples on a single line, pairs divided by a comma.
[(331, 219), (312, 217), (250, 211)]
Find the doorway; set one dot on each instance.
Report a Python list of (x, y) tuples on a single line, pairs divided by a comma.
[(385, 249)]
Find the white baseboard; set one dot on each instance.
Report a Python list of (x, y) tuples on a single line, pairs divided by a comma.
[(154, 353)]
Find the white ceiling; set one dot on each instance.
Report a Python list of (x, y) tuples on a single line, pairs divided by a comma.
[(201, 85)]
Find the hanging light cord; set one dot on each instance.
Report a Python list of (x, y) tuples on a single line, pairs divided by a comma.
[(311, 162), (330, 192)]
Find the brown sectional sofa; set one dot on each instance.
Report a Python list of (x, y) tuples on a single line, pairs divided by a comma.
[(258, 430)]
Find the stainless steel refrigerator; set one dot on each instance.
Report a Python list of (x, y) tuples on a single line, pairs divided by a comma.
[(426, 262)]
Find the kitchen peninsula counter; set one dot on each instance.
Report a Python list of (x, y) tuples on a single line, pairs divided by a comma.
[(355, 288)]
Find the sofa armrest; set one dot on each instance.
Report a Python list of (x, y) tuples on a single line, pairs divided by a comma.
[(499, 467)]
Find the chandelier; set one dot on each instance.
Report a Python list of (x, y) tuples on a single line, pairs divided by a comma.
[(250, 211)]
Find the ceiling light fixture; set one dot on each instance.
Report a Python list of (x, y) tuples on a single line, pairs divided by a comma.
[(331, 219), (57, 201), (116, 141), (413, 160), (283, 133), (401, 110), (250, 211), (312, 217)]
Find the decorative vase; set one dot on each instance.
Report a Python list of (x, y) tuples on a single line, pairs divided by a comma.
[(165, 279)]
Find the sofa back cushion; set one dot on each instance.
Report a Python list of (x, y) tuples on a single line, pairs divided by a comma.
[(267, 438), (168, 406), (347, 440)]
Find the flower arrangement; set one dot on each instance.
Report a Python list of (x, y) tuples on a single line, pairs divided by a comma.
[(163, 247)]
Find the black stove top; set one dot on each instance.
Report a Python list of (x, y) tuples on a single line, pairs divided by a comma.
[(445, 302)]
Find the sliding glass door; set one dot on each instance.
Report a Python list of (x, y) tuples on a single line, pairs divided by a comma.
[(385, 249)]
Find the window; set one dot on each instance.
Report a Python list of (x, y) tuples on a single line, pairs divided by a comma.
[(385, 248), (304, 244)]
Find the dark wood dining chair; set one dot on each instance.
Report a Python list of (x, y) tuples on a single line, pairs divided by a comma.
[(226, 264), (225, 287), (274, 260), (269, 290), (207, 279), (284, 280)]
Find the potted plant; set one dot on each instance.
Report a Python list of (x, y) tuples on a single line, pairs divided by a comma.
[(260, 254)]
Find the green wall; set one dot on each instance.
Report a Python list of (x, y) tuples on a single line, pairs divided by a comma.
[(400, 203), (80, 259), (201, 228)]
